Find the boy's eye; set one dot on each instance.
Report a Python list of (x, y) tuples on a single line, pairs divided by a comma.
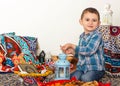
[(87, 19), (94, 20)]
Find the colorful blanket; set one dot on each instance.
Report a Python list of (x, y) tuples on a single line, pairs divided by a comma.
[(111, 37)]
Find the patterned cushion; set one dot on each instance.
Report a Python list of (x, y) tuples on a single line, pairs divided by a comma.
[(3, 45), (18, 44), (2, 39), (111, 38), (31, 41), (11, 44)]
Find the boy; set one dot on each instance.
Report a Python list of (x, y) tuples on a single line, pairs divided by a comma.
[(89, 51)]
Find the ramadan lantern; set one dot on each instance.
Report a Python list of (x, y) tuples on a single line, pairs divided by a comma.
[(62, 68)]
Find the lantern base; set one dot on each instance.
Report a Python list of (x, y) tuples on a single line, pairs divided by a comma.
[(62, 79)]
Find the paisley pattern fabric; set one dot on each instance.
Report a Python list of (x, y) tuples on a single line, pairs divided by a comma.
[(31, 41), (111, 37), (12, 44), (18, 44)]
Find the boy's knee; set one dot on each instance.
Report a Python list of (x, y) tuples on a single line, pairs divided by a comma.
[(86, 79), (77, 74)]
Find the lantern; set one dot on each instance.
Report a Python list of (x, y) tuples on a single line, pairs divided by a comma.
[(62, 68)]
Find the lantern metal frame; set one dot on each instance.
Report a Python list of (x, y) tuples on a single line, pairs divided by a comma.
[(62, 68)]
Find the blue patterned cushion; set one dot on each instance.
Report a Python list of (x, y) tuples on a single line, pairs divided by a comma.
[(18, 44), (32, 42), (11, 43)]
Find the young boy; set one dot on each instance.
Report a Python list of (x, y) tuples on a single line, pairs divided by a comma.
[(89, 51)]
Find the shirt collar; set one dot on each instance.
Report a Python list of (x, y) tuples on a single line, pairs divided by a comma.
[(83, 35)]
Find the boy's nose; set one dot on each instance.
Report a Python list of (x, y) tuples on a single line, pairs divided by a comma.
[(91, 22)]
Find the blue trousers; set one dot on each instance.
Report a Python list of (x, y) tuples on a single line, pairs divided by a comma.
[(88, 76)]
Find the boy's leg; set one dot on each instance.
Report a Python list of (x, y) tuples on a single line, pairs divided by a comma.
[(77, 74), (92, 75)]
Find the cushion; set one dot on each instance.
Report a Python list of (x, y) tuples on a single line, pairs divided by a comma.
[(12, 44), (31, 41), (18, 44)]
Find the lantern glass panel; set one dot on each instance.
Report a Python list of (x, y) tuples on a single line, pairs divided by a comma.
[(67, 72), (61, 72)]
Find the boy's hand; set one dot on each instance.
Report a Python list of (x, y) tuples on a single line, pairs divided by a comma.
[(68, 48)]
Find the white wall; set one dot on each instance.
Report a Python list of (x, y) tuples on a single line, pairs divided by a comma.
[(54, 22)]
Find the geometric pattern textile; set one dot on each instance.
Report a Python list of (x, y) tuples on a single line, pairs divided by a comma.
[(111, 38)]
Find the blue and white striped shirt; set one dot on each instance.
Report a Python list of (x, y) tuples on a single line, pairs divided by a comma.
[(90, 52)]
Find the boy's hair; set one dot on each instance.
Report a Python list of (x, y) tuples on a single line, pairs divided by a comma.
[(91, 10)]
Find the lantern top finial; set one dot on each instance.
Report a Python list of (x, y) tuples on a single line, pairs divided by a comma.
[(62, 56), (62, 60)]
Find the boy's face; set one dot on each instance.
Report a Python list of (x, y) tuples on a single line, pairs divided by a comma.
[(89, 22)]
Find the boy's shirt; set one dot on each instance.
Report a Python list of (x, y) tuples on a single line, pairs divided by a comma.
[(90, 52)]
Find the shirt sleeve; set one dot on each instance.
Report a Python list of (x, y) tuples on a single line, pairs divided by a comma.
[(76, 51), (91, 46)]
